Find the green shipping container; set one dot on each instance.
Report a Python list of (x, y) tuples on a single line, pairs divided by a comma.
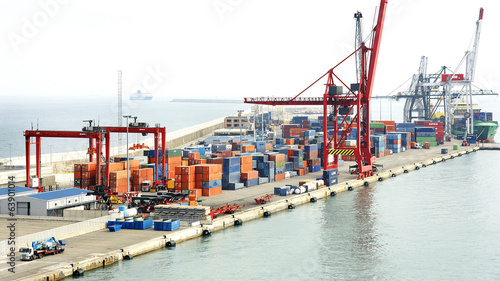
[(377, 125), (456, 147), (424, 139), (173, 153)]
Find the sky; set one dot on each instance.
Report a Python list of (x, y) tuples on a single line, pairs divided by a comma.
[(227, 48)]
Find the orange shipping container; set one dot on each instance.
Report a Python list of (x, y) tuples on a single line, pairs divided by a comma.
[(246, 159), (246, 167), (248, 148), (113, 167), (118, 175), (269, 146), (279, 177), (142, 172), (212, 191), (139, 180), (78, 175), (278, 157), (196, 192), (234, 153), (249, 175), (118, 182), (87, 167), (174, 160)]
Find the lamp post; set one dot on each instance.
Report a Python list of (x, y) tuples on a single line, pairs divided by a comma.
[(239, 115), (10, 153), (128, 170)]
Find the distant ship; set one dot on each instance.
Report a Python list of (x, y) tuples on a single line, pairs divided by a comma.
[(141, 96)]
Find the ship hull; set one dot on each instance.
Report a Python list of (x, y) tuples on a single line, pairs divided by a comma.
[(484, 130)]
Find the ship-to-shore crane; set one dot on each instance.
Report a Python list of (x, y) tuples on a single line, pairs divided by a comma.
[(355, 101)]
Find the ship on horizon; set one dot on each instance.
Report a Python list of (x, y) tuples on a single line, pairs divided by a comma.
[(141, 96)]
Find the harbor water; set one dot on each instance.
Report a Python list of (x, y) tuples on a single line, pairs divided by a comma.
[(437, 223), (69, 113)]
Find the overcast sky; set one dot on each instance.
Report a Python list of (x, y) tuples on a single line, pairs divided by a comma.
[(227, 48)]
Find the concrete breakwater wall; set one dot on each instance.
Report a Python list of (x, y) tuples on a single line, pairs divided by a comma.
[(237, 219)]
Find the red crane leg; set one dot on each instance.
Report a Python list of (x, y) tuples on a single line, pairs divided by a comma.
[(28, 154)]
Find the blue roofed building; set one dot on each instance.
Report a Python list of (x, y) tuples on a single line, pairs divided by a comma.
[(51, 203), (16, 191)]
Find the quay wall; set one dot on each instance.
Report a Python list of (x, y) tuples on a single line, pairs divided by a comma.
[(66, 270)]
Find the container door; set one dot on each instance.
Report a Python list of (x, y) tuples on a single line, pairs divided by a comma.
[(23, 208)]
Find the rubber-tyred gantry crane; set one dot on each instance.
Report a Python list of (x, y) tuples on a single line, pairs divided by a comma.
[(96, 134), (355, 101)]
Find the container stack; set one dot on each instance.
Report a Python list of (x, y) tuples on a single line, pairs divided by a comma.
[(286, 129), (174, 159), (139, 176), (184, 179), (378, 142), (265, 167), (405, 127), (230, 172), (331, 177), (394, 142), (425, 134), (210, 176), (118, 181), (438, 129), (279, 165), (77, 172), (88, 175), (378, 128)]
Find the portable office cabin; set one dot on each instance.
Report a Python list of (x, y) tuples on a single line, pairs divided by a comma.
[(51, 203)]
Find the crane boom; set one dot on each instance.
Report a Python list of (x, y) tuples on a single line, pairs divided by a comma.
[(355, 101)]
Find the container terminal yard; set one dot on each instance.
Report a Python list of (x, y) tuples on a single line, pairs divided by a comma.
[(218, 174)]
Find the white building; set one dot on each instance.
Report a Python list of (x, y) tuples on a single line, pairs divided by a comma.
[(51, 203)]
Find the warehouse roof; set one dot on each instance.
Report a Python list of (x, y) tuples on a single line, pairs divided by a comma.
[(18, 189), (57, 194)]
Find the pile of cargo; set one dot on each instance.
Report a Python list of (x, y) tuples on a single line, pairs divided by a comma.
[(85, 175)]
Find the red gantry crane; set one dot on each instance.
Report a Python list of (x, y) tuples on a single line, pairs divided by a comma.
[(355, 101), (97, 134)]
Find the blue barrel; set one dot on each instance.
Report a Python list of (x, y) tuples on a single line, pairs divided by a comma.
[(122, 208), (444, 150)]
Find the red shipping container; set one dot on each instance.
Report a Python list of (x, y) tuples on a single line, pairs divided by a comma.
[(249, 175), (194, 155), (453, 77), (187, 185), (77, 168), (88, 175), (185, 178), (198, 184), (184, 170)]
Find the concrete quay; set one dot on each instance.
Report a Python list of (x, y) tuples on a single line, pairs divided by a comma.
[(99, 248)]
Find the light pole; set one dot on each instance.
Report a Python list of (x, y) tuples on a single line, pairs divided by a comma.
[(50, 147), (128, 170), (10, 153), (239, 115)]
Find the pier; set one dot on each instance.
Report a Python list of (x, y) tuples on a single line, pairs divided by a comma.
[(100, 248)]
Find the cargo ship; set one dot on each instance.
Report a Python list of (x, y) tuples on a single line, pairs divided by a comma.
[(484, 127), (141, 96)]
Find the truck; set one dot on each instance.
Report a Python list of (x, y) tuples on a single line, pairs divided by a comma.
[(40, 248)]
